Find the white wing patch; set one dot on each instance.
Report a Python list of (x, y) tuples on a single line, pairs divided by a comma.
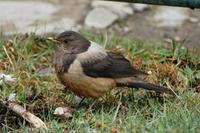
[(95, 52)]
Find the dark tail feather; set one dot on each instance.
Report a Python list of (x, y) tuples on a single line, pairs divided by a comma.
[(148, 86)]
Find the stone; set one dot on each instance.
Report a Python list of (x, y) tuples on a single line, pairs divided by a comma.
[(100, 18), (12, 97), (47, 71), (63, 112), (51, 27), (193, 20), (6, 78), (177, 38), (170, 16), (140, 7), (97, 3), (120, 8), (19, 14), (40, 27), (125, 30)]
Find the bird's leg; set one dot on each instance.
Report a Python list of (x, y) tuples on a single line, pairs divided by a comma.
[(78, 100)]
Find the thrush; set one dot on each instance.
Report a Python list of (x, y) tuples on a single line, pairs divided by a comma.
[(88, 70)]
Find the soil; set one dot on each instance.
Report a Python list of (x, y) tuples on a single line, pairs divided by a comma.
[(143, 29)]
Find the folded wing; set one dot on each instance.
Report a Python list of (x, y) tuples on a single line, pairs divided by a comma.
[(99, 63)]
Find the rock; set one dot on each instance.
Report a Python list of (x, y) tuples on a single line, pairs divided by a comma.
[(97, 3), (120, 8), (47, 71), (177, 38), (12, 97), (125, 30), (140, 7), (100, 18), (51, 27), (170, 16), (193, 20), (6, 78), (63, 112), (20, 14)]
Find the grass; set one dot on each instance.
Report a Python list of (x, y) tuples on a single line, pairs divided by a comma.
[(124, 110)]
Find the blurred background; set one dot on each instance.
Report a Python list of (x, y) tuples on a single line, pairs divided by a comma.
[(138, 21)]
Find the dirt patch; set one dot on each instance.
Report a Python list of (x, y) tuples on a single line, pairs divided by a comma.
[(141, 28)]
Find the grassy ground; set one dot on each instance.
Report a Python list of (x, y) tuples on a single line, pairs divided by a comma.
[(29, 59)]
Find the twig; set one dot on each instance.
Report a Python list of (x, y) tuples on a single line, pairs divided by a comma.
[(21, 111)]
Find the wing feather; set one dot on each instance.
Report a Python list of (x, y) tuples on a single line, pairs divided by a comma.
[(96, 62)]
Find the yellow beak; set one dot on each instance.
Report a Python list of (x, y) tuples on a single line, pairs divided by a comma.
[(53, 40)]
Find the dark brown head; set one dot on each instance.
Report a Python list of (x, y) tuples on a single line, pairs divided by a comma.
[(71, 42)]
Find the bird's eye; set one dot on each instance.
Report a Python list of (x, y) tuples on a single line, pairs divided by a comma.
[(66, 41)]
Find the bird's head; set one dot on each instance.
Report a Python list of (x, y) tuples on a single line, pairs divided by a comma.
[(70, 42)]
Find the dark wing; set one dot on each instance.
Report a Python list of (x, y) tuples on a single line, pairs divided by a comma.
[(112, 66)]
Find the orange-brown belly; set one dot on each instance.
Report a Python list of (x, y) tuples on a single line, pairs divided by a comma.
[(86, 86), (83, 85)]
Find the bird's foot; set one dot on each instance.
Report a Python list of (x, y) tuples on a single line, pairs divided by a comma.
[(77, 101)]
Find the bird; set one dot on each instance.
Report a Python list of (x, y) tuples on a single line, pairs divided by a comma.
[(88, 70)]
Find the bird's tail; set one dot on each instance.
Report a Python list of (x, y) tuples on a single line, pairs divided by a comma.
[(148, 86)]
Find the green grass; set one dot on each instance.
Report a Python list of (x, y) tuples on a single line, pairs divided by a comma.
[(124, 110)]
